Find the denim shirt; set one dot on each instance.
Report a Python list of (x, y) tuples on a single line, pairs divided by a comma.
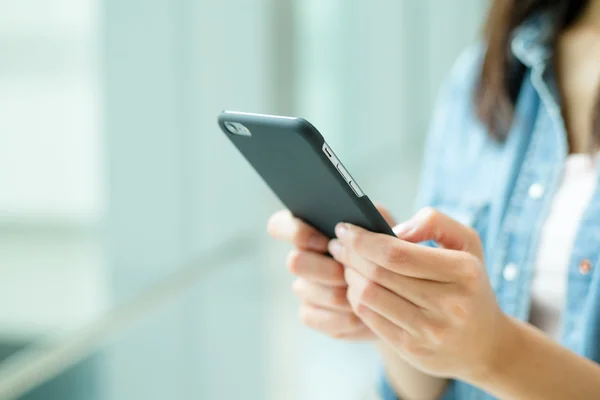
[(504, 190)]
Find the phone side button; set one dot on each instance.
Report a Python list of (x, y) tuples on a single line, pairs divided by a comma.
[(343, 171), (356, 189)]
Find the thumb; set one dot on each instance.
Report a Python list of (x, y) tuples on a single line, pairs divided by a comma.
[(430, 224)]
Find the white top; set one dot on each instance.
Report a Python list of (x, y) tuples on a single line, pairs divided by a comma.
[(549, 284)]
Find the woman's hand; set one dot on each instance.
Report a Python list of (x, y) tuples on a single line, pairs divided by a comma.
[(320, 286), (434, 306)]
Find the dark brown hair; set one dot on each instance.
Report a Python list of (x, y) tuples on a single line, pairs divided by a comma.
[(501, 75)]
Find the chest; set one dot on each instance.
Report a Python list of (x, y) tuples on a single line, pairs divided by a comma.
[(549, 284), (506, 193), (578, 75)]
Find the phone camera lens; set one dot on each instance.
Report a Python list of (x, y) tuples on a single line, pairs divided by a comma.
[(231, 127), (236, 128)]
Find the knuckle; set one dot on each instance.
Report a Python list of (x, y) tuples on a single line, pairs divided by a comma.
[(437, 332), (429, 216), (339, 297), (471, 272), (294, 261), (474, 242), (357, 239), (330, 271), (349, 296), (400, 339), (377, 273), (472, 233), (352, 297), (302, 234), (347, 275), (342, 255), (341, 329), (361, 311), (337, 334), (351, 321), (408, 344), (416, 348), (428, 298), (393, 253), (415, 320), (370, 292), (305, 292), (459, 312), (305, 315)]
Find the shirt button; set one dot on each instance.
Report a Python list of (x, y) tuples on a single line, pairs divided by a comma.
[(510, 272), (585, 266), (536, 191)]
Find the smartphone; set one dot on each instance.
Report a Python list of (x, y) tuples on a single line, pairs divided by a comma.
[(292, 158)]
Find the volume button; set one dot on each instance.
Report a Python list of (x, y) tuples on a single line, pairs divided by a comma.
[(343, 171), (356, 189)]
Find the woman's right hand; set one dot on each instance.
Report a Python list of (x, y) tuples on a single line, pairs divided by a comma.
[(320, 283)]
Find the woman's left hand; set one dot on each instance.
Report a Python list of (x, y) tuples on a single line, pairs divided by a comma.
[(434, 306)]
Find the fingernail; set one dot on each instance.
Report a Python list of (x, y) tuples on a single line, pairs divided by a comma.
[(341, 230), (317, 242), (334, 247), (404, 228)]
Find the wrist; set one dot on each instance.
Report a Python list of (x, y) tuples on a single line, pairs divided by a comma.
[(504, 347)]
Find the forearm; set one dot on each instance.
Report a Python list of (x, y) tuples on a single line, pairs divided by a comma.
[(531, 366), (408, 382)]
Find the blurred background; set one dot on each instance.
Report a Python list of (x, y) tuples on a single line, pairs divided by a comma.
[(134, 262)]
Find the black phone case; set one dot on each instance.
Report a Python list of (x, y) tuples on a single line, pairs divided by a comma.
[(288, 154)]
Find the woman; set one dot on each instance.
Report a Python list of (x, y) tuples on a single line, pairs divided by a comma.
[(507, 304)]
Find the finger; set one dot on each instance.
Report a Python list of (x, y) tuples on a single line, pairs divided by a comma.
[(346, 256), (334, 323), (360, 335), (430, 224), (423, 293), (385, 213), (316, 268), (398, 310), (284, 226), (329, 297), (399, 256), (392, 335)]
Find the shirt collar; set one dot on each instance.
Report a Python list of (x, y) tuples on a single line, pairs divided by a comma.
[(532, 41)]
